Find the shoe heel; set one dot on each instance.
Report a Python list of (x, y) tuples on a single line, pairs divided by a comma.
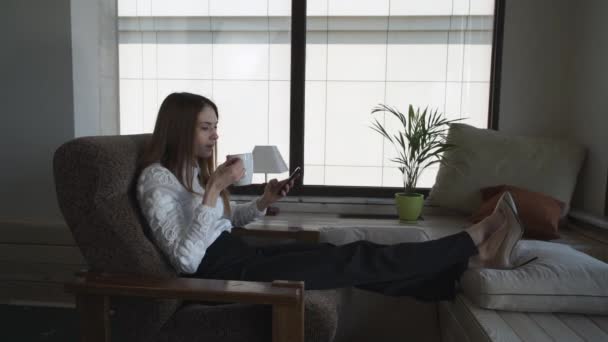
[(525, 262), (511, 203)]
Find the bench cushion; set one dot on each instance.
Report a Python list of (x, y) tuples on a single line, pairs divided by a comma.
[(561, 280), (463, 321)]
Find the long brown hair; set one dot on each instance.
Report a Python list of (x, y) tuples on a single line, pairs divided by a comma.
[(172, 142)]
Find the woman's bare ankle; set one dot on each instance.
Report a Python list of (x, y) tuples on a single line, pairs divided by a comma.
[(476, 234), (482, 230)]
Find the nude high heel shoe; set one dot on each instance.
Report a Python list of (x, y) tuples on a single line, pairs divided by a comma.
[(515, 230)]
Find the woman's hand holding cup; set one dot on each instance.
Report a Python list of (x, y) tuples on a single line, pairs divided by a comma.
[(226, 174), (247, 162)]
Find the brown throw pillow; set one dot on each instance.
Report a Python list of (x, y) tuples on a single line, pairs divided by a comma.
[(539, 213)]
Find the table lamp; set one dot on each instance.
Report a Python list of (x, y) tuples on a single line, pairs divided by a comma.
[(267, 159)]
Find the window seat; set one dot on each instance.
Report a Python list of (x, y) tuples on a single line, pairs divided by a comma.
[(364, 315)]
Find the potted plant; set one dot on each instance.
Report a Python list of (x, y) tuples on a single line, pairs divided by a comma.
[(420, 143)]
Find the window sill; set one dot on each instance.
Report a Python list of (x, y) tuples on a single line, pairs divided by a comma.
[(593, 220), (343, 205)]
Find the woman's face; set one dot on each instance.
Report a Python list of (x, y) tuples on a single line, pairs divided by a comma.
[(205, 133)]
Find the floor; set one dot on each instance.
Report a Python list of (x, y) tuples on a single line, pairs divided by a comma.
[(32, 323)]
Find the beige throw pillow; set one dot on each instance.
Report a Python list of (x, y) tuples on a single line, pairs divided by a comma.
[(562, 279), (485, 158)]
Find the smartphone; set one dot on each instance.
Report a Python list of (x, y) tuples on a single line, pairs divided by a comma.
[(294, 174)]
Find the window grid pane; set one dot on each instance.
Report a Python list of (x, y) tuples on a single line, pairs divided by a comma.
[(360, 53), (237, 53), (434, 54)]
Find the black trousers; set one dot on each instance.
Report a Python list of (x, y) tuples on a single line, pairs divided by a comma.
[(424, 270)]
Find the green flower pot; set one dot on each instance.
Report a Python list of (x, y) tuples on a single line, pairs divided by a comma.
[(409, 206)]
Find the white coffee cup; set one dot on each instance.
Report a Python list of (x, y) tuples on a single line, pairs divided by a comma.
[(247, 159)]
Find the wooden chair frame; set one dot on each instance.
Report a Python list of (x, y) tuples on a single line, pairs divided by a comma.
[(93, 292)]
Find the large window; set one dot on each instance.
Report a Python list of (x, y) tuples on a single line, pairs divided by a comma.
[(435, 54), (234, 52)]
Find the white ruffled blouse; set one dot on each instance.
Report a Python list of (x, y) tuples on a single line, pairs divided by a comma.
[(181, 225)]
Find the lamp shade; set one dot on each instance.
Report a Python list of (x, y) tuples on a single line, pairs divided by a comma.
[(268, 159)]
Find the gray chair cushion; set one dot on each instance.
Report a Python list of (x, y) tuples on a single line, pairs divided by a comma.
[(249, 323), (94, 180)]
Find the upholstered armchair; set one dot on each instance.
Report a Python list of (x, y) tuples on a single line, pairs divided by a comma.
[(130, 287)]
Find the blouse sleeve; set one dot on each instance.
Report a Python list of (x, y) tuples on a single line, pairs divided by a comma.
[(245, 212), (183, 242)]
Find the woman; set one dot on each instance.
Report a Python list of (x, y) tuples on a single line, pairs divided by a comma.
[(184, 199)]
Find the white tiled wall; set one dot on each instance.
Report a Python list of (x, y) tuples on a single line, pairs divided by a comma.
[(279, 8), (360, 56), (144, 7), (474, 102), (316, 7), (130, 55), (278, 116), (127, 8), (417, 7), (416, 56), (243, 115), (184, 55), (314, 175), (238, 7), (477, 49), (279, 56), (316, 56), (473, 7), (150, 104), (190, 8), (353, 175), (350, 141), (358, 7), (149, 55), (314, 130), (240, 55), (237, 52), (131, 109), (173, 8)]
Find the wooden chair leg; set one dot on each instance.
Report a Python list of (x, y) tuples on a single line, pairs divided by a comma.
[(94, 316), (288, 320)]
